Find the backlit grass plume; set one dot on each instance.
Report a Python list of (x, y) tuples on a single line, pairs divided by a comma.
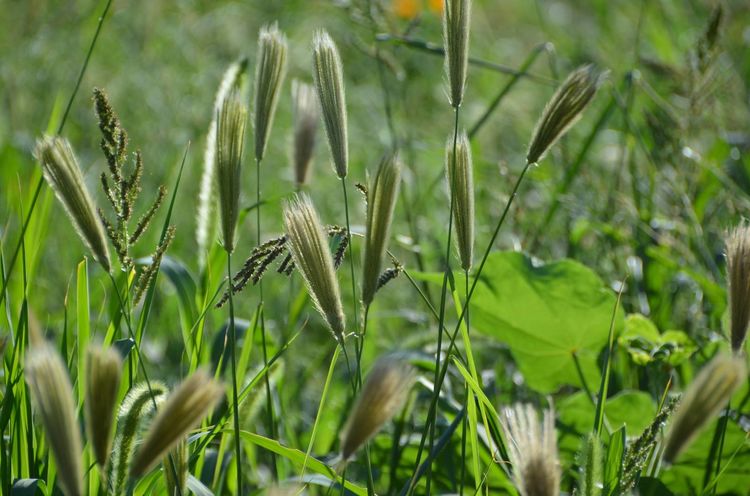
[(460, 172), (329, 82), (532, 449), (103, 373), (381, 202), (52, 393), (564, 109), (738, 272), (306, 115), (183, 410), (456, 29), (382, 396), (308, 244), (269, 77), (230, 139), (705, 397), (205, 231), (63, 175)]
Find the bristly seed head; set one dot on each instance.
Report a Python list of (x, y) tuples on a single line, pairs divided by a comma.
[(329, 81), (63, 175), (102, 385), (269, 77), (460, 172), (381, 202), (306, 114), (564, 109), (230, 139), (705, 397), (738, 271), (308, 244), (456, 29), (383, 395)]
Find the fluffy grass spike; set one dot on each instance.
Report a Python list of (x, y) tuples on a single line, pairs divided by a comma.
[(102, 385), (306, 115), (269, 77), (738, 272), (456, 30), (459, 166)]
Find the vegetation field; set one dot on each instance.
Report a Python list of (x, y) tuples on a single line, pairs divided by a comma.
[(394, 247)]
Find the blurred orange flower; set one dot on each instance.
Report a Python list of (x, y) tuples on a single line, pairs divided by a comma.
[(409, 9)]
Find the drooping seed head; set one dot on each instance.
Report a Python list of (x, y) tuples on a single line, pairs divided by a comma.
[(230, 139), (102, 385), (306, 114), (705, 397), (233, 79), (308, 244), (269, 77), (564, 109), (738, 271), (329, 82), (532, 449), (383, 395), (456, 29), (460, 172), (63, 175), (381, 202), (193, 400), (52, 394)]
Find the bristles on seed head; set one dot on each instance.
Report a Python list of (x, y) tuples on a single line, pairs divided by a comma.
[(308, 244), (306, 115), (460, 172), (269, 77), (738, 271), (103, 373), (52, 393), (709, 392), (329, 82), (532, 449), (63, 175), (193, 400), (381, 202), (564, 109), (456, 29), (383, 395), (230, 139)]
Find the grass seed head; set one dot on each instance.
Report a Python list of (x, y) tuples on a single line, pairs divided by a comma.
[(230, 139), (52, 393), (705, 397), (269, 77), (383, 395), (456, 29), (564, 109), (532, 449), (381, 202), (460, 172), (329, 81), (63, 175), (102, 385), (193, 400), (738, 270), (306, 113), (308, 244)]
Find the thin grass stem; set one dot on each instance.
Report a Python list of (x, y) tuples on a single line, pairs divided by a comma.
[(235, 403)]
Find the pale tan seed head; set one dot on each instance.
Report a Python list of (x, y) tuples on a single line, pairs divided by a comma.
[(306, 115), (382, 193), (460, 173), (230, 139), (192, 401), (269, 77), (63, 175), (308, 244), (103, 373), (383, 395), (709, 392), (738, 272), (329, 82), (52, 394), (532, 449), (456, 29), (564, 109)]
